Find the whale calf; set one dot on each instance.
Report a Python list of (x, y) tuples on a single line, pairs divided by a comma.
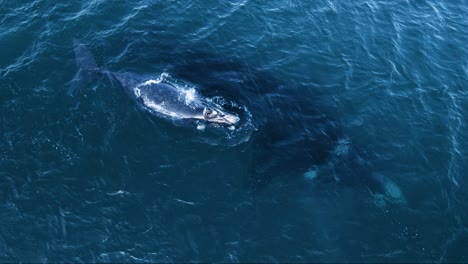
[(156, 94)]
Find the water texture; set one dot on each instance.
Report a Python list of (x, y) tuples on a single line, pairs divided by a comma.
[(93, 178)]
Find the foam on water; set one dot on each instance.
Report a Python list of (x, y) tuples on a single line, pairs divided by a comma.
[(190, 96)]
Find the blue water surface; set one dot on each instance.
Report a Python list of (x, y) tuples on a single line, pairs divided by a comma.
[(94, 178)]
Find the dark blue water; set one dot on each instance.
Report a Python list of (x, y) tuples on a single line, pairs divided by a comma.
[(94, 178)]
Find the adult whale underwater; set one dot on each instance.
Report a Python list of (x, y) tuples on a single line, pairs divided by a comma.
[(293, 135), (299, 135)]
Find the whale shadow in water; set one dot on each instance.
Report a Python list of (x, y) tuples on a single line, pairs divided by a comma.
[(298, 132)]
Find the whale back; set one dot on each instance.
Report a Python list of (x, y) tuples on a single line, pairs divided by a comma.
[(170, 101)]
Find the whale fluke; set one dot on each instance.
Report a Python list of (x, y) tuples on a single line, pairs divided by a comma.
[(87, 68)]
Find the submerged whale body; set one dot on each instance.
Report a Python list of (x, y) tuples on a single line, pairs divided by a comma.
[(298, 134), (158, 95)]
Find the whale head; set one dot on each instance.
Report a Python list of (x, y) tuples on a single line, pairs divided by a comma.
[(218, 116)]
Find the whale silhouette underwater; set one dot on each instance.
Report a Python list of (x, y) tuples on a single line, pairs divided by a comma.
[(288, 135)]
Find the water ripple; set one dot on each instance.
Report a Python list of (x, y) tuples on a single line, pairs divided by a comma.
[(86, 178)]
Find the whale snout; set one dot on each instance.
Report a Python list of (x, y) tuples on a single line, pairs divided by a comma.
[(220, 117), (228, 119), (232, 119)]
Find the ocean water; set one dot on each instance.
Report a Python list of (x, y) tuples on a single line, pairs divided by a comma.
[(94, 178)]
